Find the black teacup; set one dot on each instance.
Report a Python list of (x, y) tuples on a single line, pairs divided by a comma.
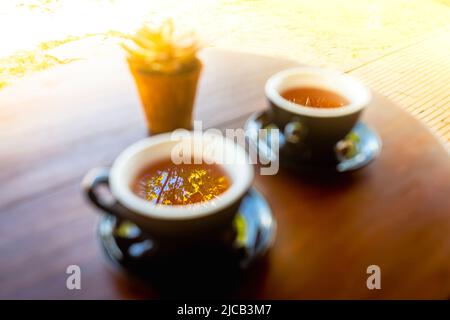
[(311, 133), (180, 222)]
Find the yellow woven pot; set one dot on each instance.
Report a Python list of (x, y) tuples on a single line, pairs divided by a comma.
[(167, 98)]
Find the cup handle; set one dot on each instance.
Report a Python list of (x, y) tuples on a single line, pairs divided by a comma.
[(91, 182)]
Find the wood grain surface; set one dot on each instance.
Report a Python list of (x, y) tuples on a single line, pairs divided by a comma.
[(54, 127)]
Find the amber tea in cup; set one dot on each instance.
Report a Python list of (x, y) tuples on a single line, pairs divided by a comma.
[(314, 97), (166, 183)]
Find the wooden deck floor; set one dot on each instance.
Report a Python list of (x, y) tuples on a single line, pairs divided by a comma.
[(416, 77)]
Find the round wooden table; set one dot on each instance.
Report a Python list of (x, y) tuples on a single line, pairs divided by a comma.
[(394, 213)]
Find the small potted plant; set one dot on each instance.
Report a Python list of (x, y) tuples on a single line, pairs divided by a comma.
[(166, 70)]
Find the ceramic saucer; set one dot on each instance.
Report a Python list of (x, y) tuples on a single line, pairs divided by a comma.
[(358, 149), (207, 265)]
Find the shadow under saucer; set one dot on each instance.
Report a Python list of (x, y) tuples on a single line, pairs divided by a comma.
[(213, 268)]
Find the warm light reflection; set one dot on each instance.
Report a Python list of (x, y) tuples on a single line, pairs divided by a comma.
[(321, 32)]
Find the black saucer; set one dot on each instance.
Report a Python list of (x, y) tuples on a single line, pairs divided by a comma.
[(361, 146), (211, 265)]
